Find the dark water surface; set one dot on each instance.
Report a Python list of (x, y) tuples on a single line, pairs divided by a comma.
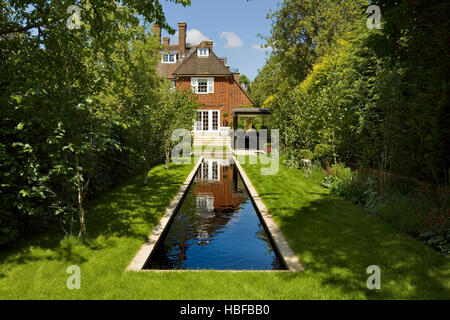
[(216, 227)]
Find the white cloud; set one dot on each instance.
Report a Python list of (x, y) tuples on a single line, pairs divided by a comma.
[(194, 36), (233, 41), (261, 48)]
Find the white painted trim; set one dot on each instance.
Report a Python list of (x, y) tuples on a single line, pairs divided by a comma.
[(209, 121), (209, 172), (209, 84), (169, 54), (203, 55)]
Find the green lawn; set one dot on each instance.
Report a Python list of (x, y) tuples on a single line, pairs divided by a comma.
[(334, 239)]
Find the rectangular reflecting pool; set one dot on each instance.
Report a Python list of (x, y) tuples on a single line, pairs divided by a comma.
[(216, 227)]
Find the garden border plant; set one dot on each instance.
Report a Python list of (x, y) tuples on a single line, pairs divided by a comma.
[(422, 214)]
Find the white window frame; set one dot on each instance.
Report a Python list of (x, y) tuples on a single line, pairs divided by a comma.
[(209, 84), (203, 52), (205, 172), (198, 125), (166, 57)]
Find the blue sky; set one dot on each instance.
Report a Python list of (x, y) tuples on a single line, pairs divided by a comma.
[(233, 25)]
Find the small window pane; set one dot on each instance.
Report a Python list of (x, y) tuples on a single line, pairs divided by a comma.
[(203, 52), (215, 120), (202, 86), (169, 58)]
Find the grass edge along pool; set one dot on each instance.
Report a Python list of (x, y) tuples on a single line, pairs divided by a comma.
[(216, 227)]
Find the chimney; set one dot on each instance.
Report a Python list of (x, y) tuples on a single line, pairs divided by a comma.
[(166, 41), (224, 60), (182, 38), (157, 32), (209, 44)]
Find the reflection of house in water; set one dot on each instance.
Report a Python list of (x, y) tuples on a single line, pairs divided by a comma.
[(216, 226), (216, 188), (217, 198), (212, 201)]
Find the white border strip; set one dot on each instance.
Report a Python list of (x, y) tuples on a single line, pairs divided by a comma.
[(290, 259), (144, 253)]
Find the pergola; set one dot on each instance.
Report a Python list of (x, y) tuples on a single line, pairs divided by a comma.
[(247, 112)]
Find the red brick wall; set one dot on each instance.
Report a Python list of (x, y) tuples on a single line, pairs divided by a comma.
[(227, 95)]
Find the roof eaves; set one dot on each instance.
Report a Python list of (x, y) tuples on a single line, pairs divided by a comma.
[(202, 74)]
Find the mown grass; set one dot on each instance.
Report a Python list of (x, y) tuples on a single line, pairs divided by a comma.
[(334, 239)]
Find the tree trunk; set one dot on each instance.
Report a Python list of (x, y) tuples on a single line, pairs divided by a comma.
[(80, 201), (167, 157), (82, 214), (146, 177), (334, 148)]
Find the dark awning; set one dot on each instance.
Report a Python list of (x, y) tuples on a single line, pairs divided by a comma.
[(250, 111)]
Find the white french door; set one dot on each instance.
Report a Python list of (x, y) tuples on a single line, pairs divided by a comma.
[(209, 170), (207, 120)]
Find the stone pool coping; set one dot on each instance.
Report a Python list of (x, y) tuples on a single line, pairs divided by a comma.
[(290, 259), (144, 253)]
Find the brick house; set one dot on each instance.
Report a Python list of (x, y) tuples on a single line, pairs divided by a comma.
[(197, 67)]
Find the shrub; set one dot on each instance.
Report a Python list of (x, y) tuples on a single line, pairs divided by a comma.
[(372, 201), (438, 240), (290, 163), (337, 178), (314, 172), (323, 152), (299, 159), (328, 181), (303, 154), (437, 219), (400, 211), (436, 222), (418, 214)]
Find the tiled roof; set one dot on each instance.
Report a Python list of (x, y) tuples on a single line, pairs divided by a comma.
[(194, 65), (165, 70)]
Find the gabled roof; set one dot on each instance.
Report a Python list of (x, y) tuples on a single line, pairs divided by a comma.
[(195, 65)]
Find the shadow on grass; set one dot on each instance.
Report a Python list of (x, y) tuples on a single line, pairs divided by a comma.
[(124, 209), (336, 241), (128, 210), (339, 241)]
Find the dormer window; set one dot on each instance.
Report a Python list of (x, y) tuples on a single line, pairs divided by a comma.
[(202, 52), (169, 58)]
